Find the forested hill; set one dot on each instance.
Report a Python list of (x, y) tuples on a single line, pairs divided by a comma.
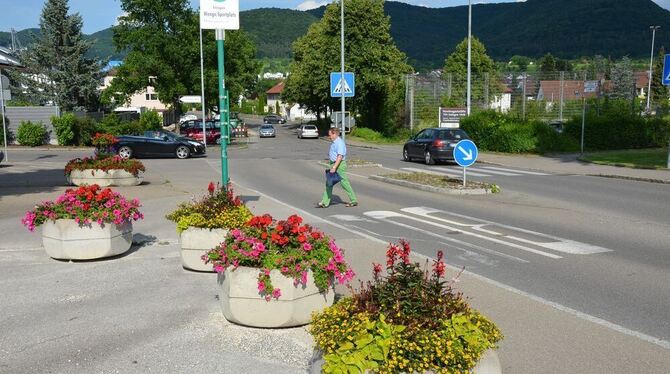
[(565, 28)]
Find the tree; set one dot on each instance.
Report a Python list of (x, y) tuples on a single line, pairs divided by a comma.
[(163, 43), (57, 59), (659, 92), (623, 79), (483, 71), (371, 54), (520, 62)]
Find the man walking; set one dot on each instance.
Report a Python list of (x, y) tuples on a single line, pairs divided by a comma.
[(338, 164)]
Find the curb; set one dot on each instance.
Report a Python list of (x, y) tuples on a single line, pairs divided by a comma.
[(639, 179), (423, 187), (619, 165), (48, 148)]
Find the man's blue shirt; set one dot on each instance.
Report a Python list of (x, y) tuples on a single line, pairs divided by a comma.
[(337, 147)]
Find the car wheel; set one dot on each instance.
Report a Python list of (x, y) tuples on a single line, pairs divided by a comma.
[(428, 158), (405, 155), (182, 152), (125, 152)]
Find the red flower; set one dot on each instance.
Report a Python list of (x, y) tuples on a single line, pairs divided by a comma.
[(302, 238), (316, 235), (211, 188), (264, 235), (376, 269)]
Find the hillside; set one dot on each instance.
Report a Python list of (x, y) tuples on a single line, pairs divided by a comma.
[(565, 28)]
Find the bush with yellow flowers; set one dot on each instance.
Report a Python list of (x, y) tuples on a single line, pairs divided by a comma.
[(220, 208), (409, 320)]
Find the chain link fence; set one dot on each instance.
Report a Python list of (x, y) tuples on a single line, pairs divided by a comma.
[(551, 97)]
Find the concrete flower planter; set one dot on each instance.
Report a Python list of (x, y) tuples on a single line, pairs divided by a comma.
[(488, 364), (195, 242), (242, 304), (114, 177), (65, 239)]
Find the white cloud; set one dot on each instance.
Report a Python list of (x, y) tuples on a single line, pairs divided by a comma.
[(310, 4)]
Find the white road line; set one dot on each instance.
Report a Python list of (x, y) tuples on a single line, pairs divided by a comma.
[(587, 317), (384, 215), (558, 244), (479, 169), (512, 170), (459, 171), (451, 240)]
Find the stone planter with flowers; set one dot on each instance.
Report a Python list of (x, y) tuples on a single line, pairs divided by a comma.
[(409, 320), (85, 223), (276, 273), (105, 168), (203, 224)]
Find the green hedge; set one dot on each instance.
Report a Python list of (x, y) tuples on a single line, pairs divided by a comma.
[(31, 133), (65, 128)]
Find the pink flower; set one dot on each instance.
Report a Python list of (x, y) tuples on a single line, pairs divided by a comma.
[(261, 287), (218, 268), (276, 293), (307, 247), (303, 278)]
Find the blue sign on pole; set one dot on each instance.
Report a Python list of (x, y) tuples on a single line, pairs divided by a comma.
[(342, 86), (666, 70), (465, 153)]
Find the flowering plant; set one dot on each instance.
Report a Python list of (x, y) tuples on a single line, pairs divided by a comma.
[(289, 246), (405, 321), (220, 208), (86, 204), (104, 144), (104, 163)]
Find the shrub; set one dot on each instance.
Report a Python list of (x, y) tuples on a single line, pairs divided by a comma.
[(409, 320), (218, 209), (112, 124), (10, 136), (150, 120), (65, 127), (367, 134), (86, 204), (288, 246), (31, 134)]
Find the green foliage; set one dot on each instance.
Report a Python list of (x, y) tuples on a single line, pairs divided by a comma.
[(623, 79), (31, 133), (372, 55), (65, 128), (612, 125), (274, 30), (150, 120), (367, 134), (497, 132), (218, 209), (112, 124), (162, 39), (482, 64), (409, 320), (58, 54)]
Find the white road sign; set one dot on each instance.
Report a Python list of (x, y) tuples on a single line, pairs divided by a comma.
[(220, 14), (190, 99)]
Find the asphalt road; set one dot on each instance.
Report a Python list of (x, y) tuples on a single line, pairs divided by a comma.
[(597, 246)]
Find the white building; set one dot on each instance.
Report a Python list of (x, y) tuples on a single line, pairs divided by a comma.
[(146, 99)]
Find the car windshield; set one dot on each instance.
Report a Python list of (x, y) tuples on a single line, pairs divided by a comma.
[(452, 134), (310, 127), (264, 127)]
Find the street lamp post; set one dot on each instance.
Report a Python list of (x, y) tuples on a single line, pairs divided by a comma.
[(469, 94), (344, 129), (651, 64)]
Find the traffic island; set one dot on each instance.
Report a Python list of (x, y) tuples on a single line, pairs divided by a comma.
[(437, 183), (356, 163)]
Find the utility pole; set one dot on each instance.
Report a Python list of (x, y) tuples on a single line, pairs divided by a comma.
[(2, 105), (344, 129), (651, 64), (469, 95)]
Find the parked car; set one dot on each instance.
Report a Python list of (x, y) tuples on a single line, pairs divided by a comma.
[(187, 117), (267, 131), (212, 131), (308, 131), (433, 145), (158, 143), (185, 126), (273, 118)]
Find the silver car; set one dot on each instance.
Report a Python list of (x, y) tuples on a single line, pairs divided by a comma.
[(308, 131), (267, 131)]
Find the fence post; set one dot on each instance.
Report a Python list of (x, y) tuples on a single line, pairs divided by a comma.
[(486, 90), (411, 105), (523, 98), (560, 108)]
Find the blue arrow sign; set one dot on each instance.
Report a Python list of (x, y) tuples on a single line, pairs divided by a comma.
[(465, 153), (666, 70), (340, 87)]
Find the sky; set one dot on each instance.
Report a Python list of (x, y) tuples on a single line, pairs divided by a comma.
[(100, 14)]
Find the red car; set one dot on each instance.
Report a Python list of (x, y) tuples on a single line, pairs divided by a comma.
[(212, 131)]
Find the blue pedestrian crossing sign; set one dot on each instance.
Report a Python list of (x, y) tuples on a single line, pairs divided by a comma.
[(465, 153), (666, 70), (342, 86)]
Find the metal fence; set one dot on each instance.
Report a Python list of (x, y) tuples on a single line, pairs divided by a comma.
[(550, 97), (14, 115)]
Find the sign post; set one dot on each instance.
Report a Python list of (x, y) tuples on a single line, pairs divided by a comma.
[(465, 154), (342, 85), (221, 15), (3, 82), (666, 82)]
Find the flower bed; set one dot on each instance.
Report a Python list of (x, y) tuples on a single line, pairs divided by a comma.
[(203, 224), (408, 320), (133, 167), (81, 219)]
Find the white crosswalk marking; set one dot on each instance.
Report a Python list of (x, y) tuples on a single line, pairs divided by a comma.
[(488, 168)]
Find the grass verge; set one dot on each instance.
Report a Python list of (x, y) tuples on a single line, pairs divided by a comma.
[(440, 181), (655, 158)]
